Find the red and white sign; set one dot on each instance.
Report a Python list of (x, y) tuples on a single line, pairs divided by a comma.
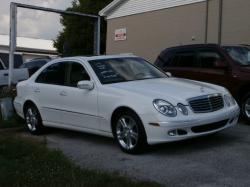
[(120, 34)]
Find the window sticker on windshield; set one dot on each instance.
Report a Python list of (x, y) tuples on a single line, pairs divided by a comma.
[(106, 72)]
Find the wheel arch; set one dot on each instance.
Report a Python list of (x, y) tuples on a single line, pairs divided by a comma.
[(119, 110), (244, 89), (28, 103)]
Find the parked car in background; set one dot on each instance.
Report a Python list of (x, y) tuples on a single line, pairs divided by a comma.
[(18, 75), (228, 66), (18, 59), (35, 64), (246, 45), (123, 97)]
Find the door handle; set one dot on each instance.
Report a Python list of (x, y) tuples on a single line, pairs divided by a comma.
[(5, 74), (63, 93), (37, 90)]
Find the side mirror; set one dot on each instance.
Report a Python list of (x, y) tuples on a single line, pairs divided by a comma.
[(168, 74), (85, 85), (220, 64)]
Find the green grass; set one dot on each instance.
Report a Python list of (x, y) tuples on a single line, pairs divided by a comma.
[(15, 121), (27, 162)]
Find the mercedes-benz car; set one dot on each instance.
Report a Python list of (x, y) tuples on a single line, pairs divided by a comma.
[(124, 97)]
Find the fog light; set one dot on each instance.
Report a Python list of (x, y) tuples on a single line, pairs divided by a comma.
[(173, 133)]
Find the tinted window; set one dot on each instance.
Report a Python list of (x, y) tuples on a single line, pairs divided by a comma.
[(18, 59), (1, 66), (54, 74), (184, 59), (77, 73), (208, 59), (38, 63)]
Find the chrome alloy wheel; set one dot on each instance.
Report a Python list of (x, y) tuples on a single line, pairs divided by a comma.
[(127, 132), (247, 107), (31, 119)]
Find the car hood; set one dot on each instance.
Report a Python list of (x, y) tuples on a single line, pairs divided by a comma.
[(174, 90)]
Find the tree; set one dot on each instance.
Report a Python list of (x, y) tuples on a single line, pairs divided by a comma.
[(77, 35)]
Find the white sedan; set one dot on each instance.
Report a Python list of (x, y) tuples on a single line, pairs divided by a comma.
[(124, 97)]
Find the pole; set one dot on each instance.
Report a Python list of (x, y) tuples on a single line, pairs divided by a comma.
[(97, 36), (206, 21), (220, 22), (12, 40)]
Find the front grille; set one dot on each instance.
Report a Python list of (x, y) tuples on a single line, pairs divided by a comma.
[(206, 104), (209, 127)]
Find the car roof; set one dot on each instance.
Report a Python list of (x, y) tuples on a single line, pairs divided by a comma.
[(101, 57), (37, 60), (193, 46)]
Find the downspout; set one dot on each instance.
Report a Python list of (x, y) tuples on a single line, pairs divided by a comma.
[(206, 21), (220, 22)]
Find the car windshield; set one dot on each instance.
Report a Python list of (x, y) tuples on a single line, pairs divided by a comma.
[(240, 54), (124, 69)]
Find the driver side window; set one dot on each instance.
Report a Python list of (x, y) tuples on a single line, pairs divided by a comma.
[(77, 73)]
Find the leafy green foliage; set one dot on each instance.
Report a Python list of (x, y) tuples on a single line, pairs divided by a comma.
[(77, 37)]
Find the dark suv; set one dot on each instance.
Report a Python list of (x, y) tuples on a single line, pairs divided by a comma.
[(35, 64), (228, 66)]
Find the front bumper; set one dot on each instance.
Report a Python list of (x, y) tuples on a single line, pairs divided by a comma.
[(18, 105), (192, 126)]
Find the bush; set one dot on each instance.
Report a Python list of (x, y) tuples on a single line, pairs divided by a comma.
[(8, 92)]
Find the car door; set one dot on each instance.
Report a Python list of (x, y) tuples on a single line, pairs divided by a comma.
[(48, 92), (184, 64), (79, 106), (209, 71)]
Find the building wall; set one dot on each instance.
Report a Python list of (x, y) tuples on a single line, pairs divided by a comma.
[(213, 21), (131, 7), (236, 22), (149, 33)]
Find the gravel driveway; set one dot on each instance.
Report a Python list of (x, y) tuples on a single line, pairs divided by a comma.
[(218, 160)]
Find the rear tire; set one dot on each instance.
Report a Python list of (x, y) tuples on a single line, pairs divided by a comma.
[(245, 107), (33, 120), (129, 132)]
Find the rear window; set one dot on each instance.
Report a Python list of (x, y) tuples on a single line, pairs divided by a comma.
[(18, 60), (1, 66)]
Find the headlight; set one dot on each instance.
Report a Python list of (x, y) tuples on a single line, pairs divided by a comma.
[(165, 108), (183, 109), (229, 100)]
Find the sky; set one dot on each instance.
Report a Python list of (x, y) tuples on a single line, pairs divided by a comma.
[(34, 24)]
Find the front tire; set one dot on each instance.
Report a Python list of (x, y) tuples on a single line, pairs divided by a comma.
[(33, 120), (245, 107), (129, 132)]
